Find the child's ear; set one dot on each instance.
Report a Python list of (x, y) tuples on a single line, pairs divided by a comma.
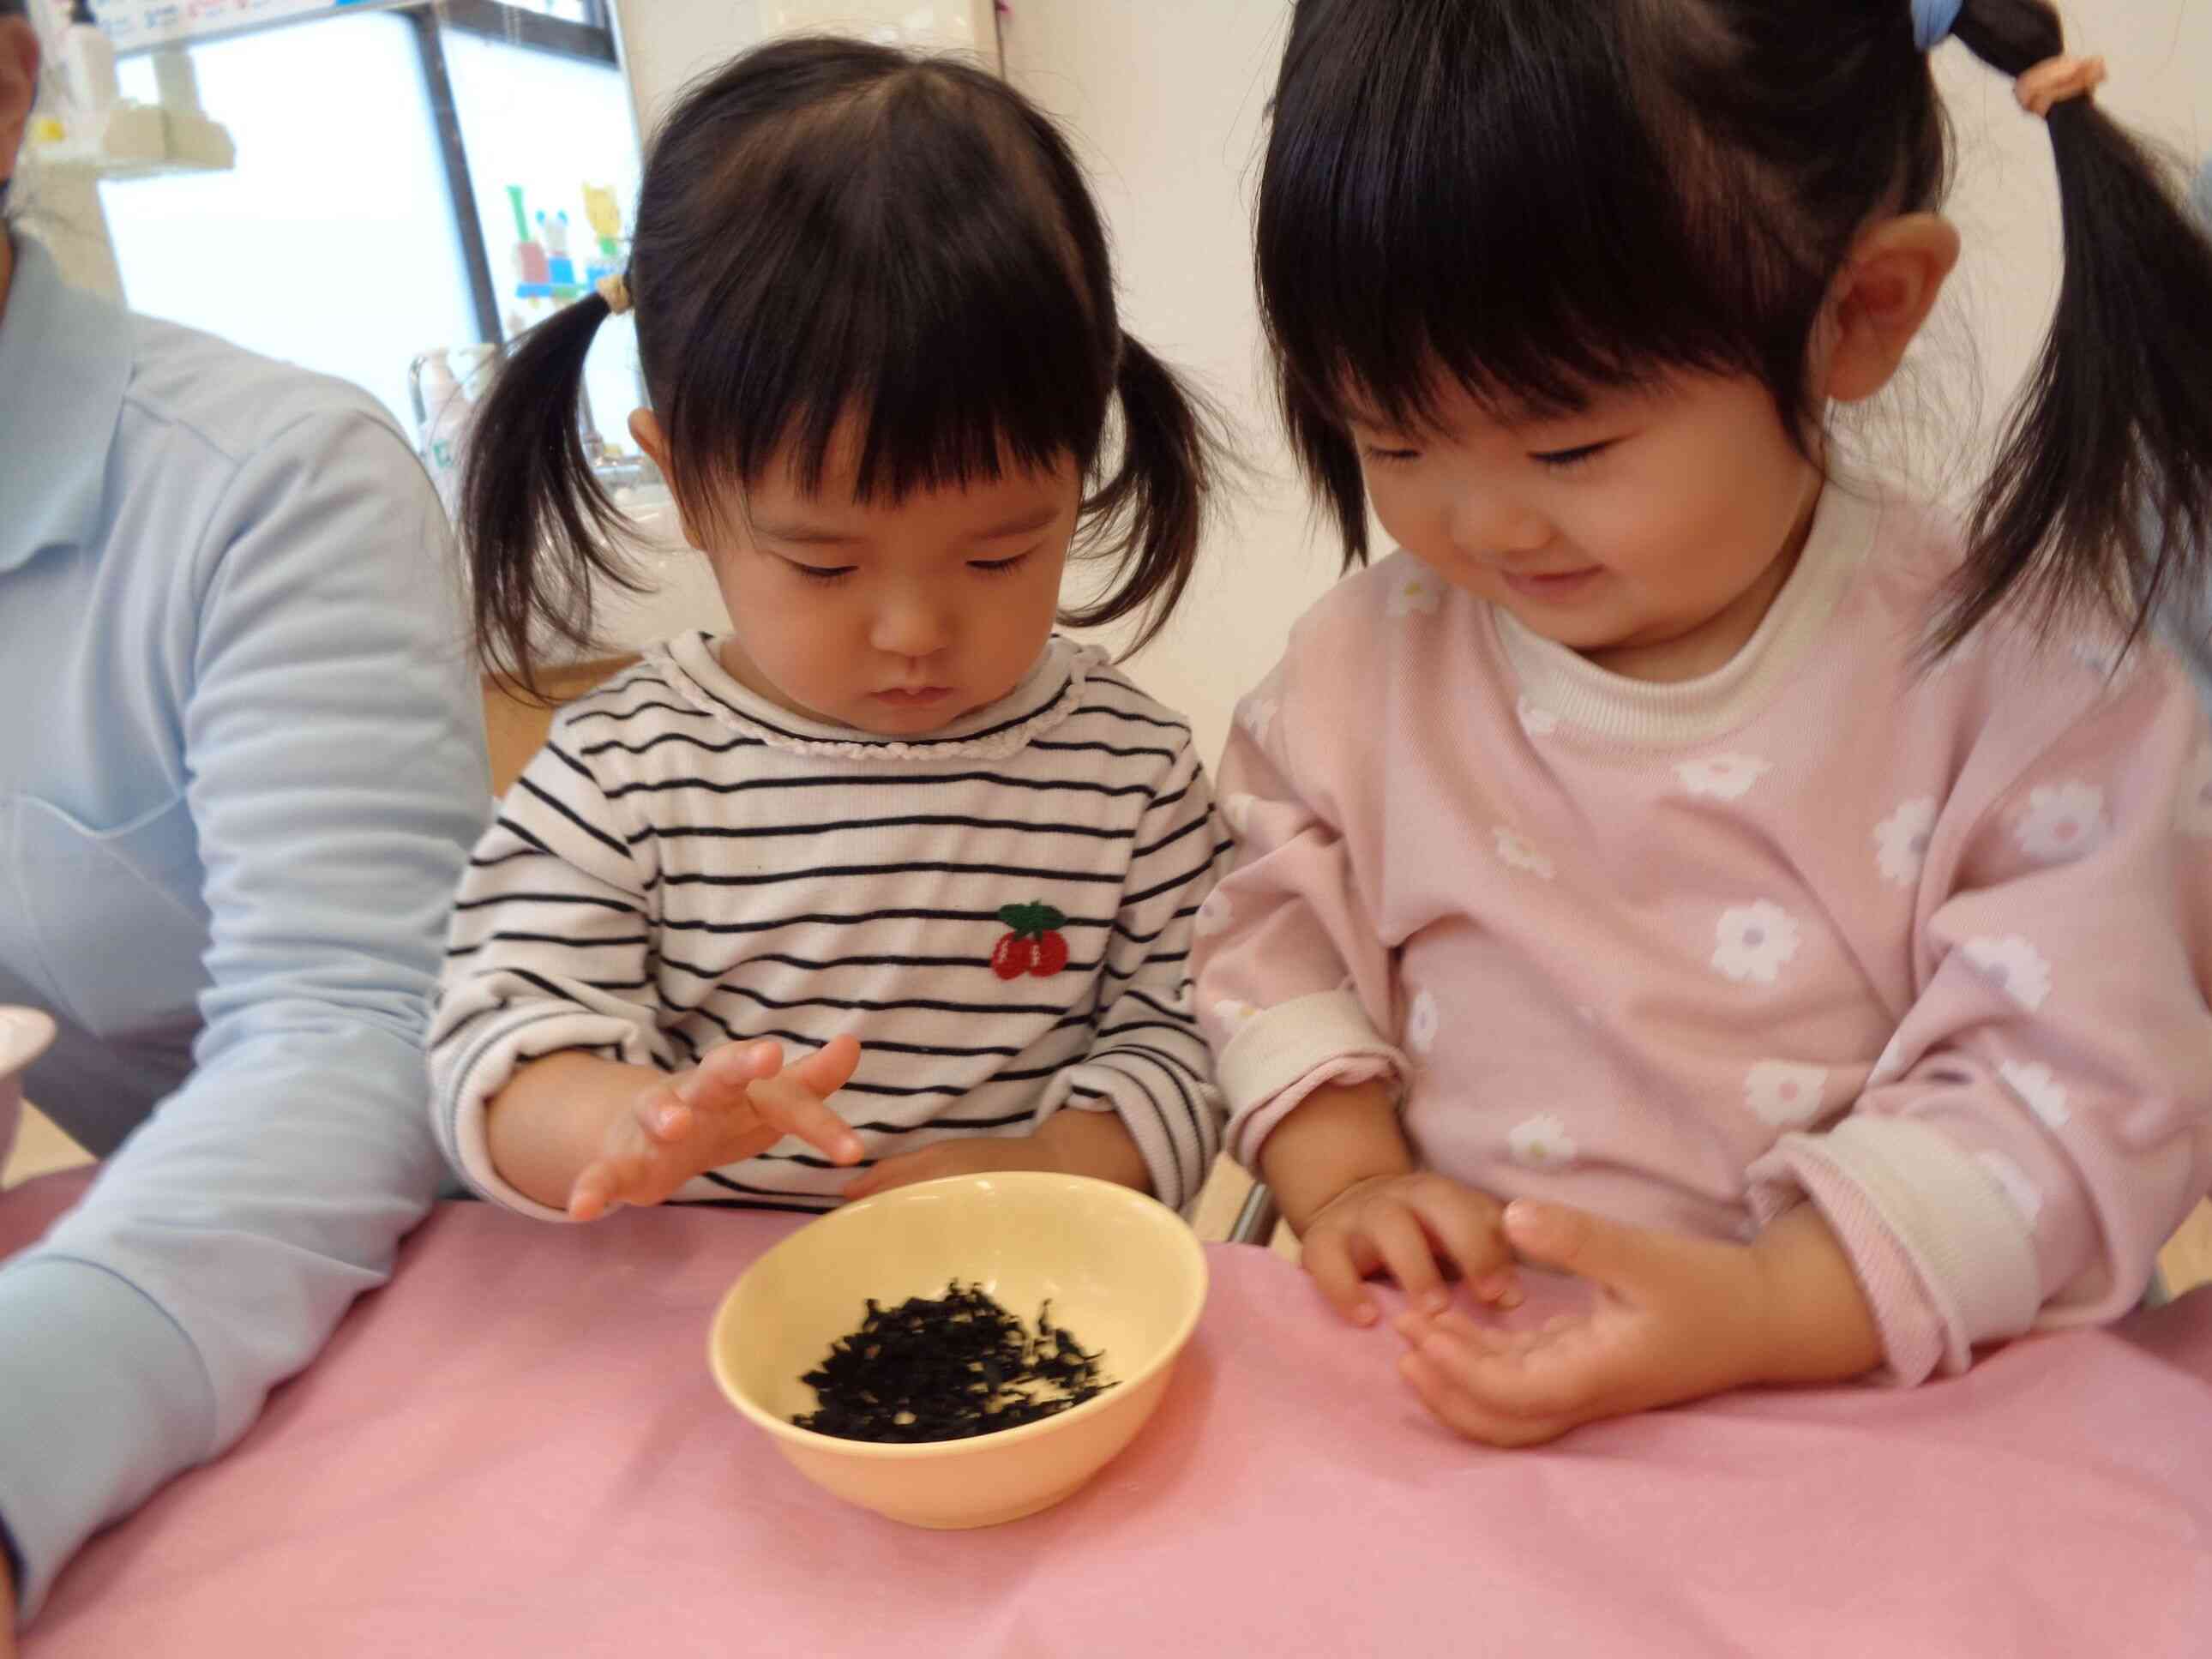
[(1895, 273), (645, 426)]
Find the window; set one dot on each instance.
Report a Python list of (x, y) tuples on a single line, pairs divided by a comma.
[(368, 218)]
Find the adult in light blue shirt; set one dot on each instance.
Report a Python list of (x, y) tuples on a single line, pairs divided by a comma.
[(241, 761)]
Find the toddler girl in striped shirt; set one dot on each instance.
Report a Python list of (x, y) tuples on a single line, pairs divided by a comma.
[(890, 839)]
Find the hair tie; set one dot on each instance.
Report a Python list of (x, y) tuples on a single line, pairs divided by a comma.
[(2055, 80), (615, 290), (1933, 22)]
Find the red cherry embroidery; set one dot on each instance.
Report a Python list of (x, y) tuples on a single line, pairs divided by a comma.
[(1034, 946)]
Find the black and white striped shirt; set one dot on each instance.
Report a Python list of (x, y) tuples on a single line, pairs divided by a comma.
[(1002, 913)]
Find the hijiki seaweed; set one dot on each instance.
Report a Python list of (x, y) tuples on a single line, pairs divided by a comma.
[(947, 1369)]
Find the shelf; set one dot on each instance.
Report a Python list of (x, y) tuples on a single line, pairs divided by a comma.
[(136, 140)]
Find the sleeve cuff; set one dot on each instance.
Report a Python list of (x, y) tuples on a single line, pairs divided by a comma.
[(1892, 1186), (486, 1066), (102, 1398), (1296, 1045), (1178, 1157)]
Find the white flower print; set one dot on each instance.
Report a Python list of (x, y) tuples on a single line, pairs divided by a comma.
[(1789, 1096), (1258, 716), (1520, 855), (1756, 942), (1542, 1142), (1536, 720), (1416, 591), (2062, 821), (1890, 1065), (1723, 777), (2045, 1094), (1214, 916), (1901, 840), (1423, 1023), (2027, 1197), (2192, 813), (1237, 809), (1233, 1014), (2013, 966)]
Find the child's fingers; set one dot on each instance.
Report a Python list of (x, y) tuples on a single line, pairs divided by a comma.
[(900, 1171), (882, 1178), (1502, 1288), (722, 1078), (830, 1068), (1621, 1258), (1466, 1228), (1486, 1340), (1326, 1257), (662, 1114), (1542, 1378), (785, 1104), (589, 1197), (1407, 1255), (609, 1181), (1465, 1414)]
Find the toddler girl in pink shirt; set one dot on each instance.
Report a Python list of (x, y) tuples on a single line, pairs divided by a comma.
[(1687, 863)]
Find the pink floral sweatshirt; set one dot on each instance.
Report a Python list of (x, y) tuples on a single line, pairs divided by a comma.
[(1927, 947)]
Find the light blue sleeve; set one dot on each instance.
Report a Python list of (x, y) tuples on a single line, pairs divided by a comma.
[(333, 738)]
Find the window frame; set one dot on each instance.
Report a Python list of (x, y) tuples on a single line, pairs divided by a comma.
[(509, 26)]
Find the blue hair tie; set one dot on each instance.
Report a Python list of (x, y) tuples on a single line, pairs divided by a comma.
[(1933, 22)]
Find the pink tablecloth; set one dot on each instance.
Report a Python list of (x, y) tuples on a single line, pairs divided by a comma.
[(516, 1449)]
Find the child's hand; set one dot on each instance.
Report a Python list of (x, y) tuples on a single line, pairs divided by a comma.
[(1673, 1319), (735, 1104), (983, 1155), (1069, 1142), (1405, 1225)]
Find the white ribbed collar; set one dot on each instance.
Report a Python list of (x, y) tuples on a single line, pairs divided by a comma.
[(1564, 684)]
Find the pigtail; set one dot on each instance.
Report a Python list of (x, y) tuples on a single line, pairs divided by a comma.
[(2102, 491), (535, 523), (1170, 457)]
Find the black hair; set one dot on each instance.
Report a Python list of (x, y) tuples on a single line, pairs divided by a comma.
[(830, 231), (1545, 199)]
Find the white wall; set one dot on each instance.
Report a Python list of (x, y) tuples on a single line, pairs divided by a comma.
[(664, 43), (1166, 98), (2006, 197), (667, 42)]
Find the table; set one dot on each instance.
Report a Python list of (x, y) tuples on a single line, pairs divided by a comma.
[(516, 1449)]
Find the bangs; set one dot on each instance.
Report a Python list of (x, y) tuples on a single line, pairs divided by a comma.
[(1474, 193), (910, 291)]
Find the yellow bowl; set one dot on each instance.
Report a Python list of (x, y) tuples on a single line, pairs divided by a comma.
[(1123, 1274)]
